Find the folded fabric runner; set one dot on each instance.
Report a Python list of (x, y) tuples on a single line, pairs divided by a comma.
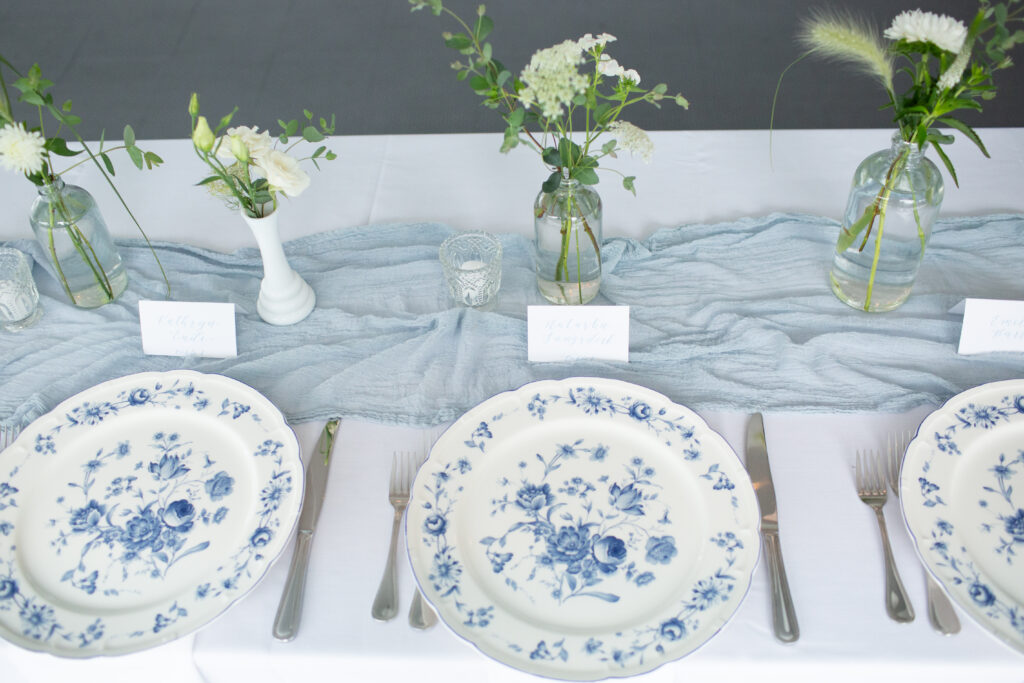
[(732, 316)]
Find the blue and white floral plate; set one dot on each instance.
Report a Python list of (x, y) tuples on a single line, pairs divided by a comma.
[(962, 491), (582, 529), (139, 510)]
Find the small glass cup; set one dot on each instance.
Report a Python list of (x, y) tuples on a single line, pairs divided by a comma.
[(472, 267), (19, 298)]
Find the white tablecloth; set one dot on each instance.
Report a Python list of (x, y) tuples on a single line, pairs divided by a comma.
[(829, 537)]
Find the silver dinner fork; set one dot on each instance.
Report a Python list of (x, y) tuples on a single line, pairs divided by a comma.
[(385, 605), (871, 489), (941, 614)]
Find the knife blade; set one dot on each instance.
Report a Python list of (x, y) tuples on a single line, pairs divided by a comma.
[(783, 614), (289, 611)]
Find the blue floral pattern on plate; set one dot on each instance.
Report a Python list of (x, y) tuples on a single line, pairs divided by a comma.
[(583, 528), (962, 486), (142, 508)]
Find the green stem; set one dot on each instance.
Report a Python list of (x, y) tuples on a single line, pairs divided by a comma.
[(882, 205)]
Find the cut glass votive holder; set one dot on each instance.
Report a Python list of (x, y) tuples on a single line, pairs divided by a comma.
[(472, 267), (19, 298)]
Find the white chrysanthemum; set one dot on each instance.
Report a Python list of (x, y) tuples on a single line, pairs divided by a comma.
[(607, 66), (589, 42), (257, 143), (927, 27), (552, 79), (283, 173), (952, 75), (21, 150), (632, 139)]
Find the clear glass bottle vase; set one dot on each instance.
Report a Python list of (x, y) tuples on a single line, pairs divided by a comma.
[(894, 201), (567, 243), (80, 252)]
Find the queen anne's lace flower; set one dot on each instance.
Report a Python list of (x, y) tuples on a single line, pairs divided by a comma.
[(283, 173), (552, 79), (21, 150), (632, 139), (926, 27)]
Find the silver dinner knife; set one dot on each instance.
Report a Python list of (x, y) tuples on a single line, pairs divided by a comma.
[(783, 614), (289, 612)]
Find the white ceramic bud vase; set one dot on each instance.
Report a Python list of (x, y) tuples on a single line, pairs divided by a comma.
[(285, 298)]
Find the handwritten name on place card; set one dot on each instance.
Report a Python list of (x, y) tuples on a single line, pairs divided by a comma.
[(186, 328), (992, 325), (559, 333)]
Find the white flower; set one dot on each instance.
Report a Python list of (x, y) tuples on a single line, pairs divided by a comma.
[(632, 139), (257, 143), (283, 172), (589, 42), (607, 66), (21, 150), (926, 27), (552, 79)]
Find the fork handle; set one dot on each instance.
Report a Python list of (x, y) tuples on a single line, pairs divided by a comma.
[(385, 605), (897, 604), (783, 614)]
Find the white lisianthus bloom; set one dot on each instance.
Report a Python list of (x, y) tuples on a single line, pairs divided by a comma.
[(257, 143), (589, 42), (916, 26), (21, 150), (632, 139), (552, 79), (283, 172)]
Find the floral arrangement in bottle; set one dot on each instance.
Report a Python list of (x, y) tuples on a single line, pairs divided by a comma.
[(948, 67), (30, 149), (569, 97), (249, 170)]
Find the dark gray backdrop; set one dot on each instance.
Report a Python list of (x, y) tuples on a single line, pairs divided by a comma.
[(382, 69)]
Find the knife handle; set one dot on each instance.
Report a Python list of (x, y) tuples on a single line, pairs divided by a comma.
[(783, 614), (289, 611)]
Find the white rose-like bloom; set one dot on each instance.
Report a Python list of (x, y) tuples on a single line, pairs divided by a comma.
[(257, 143), (633, 139), (927, 27), (283, 172), (21, 150), (552, 79)]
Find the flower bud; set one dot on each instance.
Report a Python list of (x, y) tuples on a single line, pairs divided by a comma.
[(239, 149), (193, 105), (202, 136)]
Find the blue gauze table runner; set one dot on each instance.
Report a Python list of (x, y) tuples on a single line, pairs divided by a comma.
[(732, 316)]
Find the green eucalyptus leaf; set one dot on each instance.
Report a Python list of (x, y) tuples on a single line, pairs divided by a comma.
[(72, 120), (459, 41), (129, 136), (66, 107), (107, 162), (550, 156), (311, 134), (587, 176), (330, 156), (462, 75), (319, 150), (486, 51), (479, 84), (484, 26), (627, 183), (136, 156), (308, 114), (552, 183), (516, 117), (502, 78), (609, 147), (32, 97)]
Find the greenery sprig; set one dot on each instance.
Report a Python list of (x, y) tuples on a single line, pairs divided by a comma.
[(551, 106)]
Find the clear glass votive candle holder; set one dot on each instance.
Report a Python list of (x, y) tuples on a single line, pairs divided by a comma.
[(19, 298), (472, 267)]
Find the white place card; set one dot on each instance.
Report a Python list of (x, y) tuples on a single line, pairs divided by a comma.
[(560, 333), (188, 328), (992, 325)]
